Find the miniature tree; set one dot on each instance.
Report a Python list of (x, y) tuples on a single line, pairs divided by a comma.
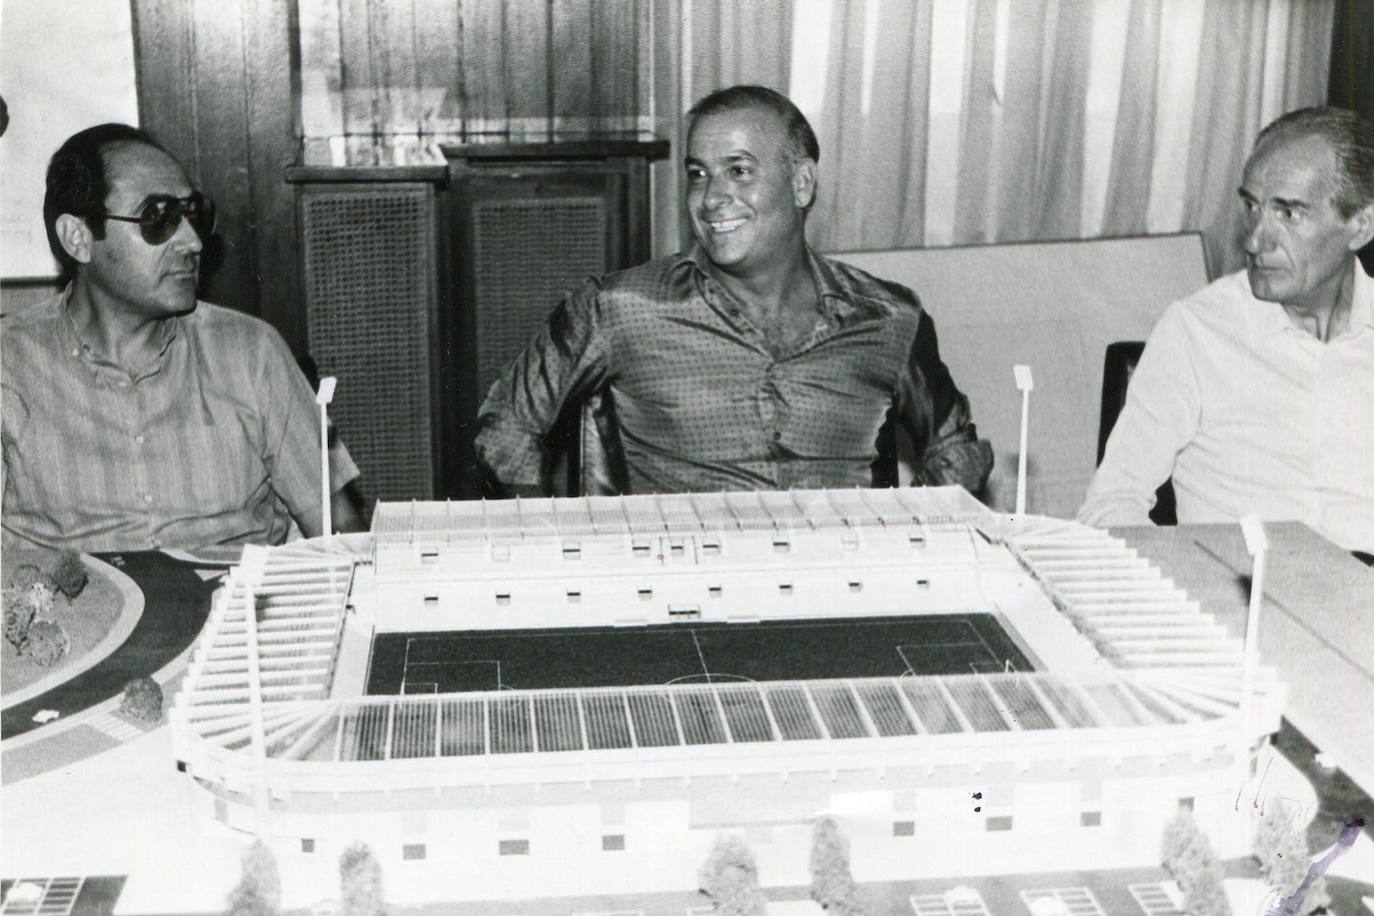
[(46, 643), (1285, 858), (40, 595), (731, 879), (142, 701), (1189, 857), (68, 574), (360, 880), (1178, 835), (23, 575), (259, 889), (18, 616), (832, 885)]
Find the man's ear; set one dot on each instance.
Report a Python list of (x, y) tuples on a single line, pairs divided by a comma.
[(1363, 224), (75, 237), (804, 182)]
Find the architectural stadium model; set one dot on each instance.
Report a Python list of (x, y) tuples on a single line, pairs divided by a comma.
[(577, 696)]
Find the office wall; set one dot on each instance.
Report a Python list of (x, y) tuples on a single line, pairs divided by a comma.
[(64, 65), (472, 66), (216, 84)]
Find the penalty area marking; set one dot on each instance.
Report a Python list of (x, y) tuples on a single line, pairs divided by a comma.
[(707, 677), (458, 677)]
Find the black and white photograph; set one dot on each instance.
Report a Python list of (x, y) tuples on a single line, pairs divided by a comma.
[(687, 457)]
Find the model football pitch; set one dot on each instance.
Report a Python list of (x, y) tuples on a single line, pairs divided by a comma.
[(455, 662)]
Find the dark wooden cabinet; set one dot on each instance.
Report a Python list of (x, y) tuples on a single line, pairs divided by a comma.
[(530, 220), (421, 283), (373, 250)]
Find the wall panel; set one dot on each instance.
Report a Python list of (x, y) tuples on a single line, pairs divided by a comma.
[(615, 90), (216, 86), (358, 79), (395, 65), (439, 68), (484, 71), (528, 66), (573, 62), (220, 85), (473, 66)]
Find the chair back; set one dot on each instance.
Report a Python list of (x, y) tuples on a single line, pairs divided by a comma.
[(1117, 368)]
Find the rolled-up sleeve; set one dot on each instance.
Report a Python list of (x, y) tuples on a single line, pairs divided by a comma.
[(565, 362), (1163, 406), (935, 413)]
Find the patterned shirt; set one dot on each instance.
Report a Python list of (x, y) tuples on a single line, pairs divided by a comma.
[(700, 403), (216, 441)]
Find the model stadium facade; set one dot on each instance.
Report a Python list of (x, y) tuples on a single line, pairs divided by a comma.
[(1126, 701)]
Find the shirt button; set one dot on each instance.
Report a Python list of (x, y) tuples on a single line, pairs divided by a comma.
[(777, 435), (123, 384), (157, 544), (138, 439), (147, 498)]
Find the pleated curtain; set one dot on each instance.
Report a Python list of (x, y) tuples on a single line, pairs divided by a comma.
[(947, 122)]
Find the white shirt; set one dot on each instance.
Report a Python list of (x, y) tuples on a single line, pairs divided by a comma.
[(1248, 413)]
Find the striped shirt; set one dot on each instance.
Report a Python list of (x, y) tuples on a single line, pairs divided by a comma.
[(216, 441), (701, 404)]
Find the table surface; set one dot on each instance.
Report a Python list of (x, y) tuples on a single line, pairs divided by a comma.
[(1317, 630), (1316, 624)]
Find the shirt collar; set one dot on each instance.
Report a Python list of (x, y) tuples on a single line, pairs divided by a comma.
[(836, 298), (73, 341), (1272, 319)]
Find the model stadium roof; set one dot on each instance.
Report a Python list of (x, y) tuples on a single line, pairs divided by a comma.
[(1168, 664)]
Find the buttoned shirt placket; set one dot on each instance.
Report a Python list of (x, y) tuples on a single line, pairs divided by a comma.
[(128, 389), (773, 410)]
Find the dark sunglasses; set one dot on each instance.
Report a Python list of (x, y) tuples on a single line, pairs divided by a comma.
[(161, 216)]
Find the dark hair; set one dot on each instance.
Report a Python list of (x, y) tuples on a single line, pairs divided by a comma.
[(1351, 138), (799, 133), (77, 182)]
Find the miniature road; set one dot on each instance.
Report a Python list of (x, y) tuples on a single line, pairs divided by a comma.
[(176, 603)]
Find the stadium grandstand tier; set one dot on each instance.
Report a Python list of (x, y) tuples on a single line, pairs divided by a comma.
[(663, 668)]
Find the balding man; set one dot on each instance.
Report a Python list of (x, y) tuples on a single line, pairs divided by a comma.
[(749, 361), (1257, 393)]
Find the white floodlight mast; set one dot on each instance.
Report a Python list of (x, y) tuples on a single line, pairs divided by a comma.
[(323, 396), (1024, 384), (250, 573), (1256, 544)]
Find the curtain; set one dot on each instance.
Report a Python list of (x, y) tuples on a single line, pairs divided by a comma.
[(968, 121), (699, 46), (881, 78)]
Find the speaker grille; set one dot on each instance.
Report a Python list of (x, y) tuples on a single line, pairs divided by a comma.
[(369, 266), (529, 251)]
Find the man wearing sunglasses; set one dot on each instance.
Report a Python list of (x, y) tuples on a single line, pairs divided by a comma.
[(135, 416)]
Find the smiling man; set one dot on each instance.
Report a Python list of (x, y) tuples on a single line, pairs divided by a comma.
[(747, 362), (1257, 393), (133, 415)]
